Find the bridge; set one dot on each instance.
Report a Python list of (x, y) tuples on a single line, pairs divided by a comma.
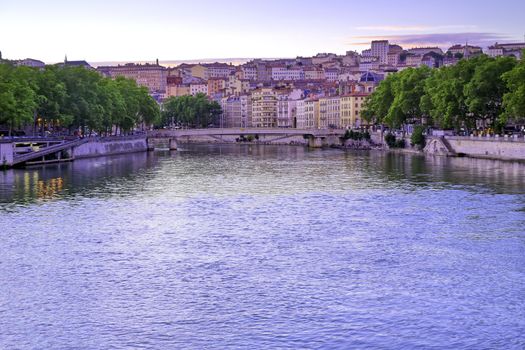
[(315, 137)]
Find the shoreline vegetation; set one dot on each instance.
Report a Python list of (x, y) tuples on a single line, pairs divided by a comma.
[(478, 95)]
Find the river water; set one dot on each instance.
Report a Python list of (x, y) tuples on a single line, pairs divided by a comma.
[(263, 247)]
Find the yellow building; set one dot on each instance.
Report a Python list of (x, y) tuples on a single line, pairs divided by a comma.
[(152, 76), (178, 90), (351, 107), (216, 85), (199, 71)]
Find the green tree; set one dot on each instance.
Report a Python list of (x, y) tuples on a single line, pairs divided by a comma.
[(378, 104), (17, 97), (195, 110), (444, 99), (408, 92), (514, 99), (484, 93)]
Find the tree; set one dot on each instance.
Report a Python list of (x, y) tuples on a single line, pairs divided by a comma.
[(378, 104), (408, 91), (398, 98), (195, 110), (514, 99), (17, 97), (444, 99), (484, 93)]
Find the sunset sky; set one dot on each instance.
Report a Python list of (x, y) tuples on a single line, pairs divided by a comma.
[(179, 30)]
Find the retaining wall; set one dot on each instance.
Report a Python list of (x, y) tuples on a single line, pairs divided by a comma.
[(484, 147), (102, 147)]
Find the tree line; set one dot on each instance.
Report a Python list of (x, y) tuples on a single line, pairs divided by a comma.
[(73, 98), (190, 111), (479, 91)]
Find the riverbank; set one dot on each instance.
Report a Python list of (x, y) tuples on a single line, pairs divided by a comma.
[(506, 149)]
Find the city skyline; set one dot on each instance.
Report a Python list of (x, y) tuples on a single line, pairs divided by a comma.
[(180, 31)]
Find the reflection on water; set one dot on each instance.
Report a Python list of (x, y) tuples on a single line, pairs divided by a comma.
[(263, 247), (103, 176)]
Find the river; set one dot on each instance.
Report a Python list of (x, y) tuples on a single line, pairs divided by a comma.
[(263, 247)]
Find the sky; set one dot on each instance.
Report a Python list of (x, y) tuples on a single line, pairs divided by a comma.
[(133, 30)]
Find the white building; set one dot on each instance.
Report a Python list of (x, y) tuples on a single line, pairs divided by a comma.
[(29, 62), (331, 74), (380, 50), (506, 50), (285, 73), (249, 72), (421, 51), (200, 87), (219, 70), (299, 114)]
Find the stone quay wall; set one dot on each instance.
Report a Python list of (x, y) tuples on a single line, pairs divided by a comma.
[(505, 148), (110, 146)]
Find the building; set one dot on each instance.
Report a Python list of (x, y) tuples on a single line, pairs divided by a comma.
[(322, 58), (329, 112), (175, 87), (413, 60), (264, 108), (311, 113), (249, 72), (216, 85), (350, 59), (421, 51), (380, 49), (287, 107), (300, 120), (369, 63), (152, 76), (280, 73), (464, 50), (198, 86), (199, 71), (29, 62), (394, 55), (313, 73), (351, 107), (331, 74), (370, 81), (432, 60), (218, 70), (514, 49)]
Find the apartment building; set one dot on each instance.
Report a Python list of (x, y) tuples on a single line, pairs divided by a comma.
[(311, 113), (329, 112), (351, 107), (152, 76), (280, 73), (380, 49), (264, 108)]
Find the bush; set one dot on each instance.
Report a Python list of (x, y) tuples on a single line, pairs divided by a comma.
[(417, 138), (400, 143), (356, 135), (390, 140)]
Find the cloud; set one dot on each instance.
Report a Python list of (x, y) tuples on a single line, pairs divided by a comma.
[(434, 39), (417, 28)]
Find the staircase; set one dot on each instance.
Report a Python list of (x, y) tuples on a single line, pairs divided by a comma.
[(19, 159)]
